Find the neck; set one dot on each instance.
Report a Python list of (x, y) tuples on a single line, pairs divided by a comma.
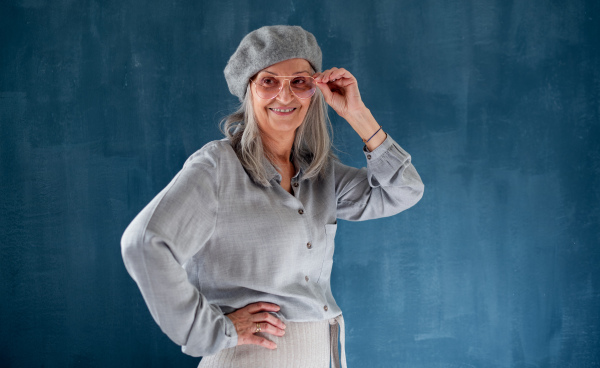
[(279, 148)]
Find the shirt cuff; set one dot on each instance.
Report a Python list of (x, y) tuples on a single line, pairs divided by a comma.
[(383, 148), (231, 333)]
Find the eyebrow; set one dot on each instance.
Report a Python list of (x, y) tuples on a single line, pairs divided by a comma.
[(303, 71)]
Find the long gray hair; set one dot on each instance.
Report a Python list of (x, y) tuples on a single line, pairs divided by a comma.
[(312, 145)]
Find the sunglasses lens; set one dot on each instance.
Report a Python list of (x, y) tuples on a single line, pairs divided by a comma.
[(303, 87), (268, 87)]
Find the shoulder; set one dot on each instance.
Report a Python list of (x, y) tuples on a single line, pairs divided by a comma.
[(211, 155)]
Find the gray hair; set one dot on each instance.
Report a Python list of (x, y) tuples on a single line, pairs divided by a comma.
[(312, 145)]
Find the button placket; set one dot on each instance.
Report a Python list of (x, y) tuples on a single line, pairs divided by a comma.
[(295, 188)]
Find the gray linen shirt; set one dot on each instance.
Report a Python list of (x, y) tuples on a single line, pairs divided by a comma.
[(214, 241)]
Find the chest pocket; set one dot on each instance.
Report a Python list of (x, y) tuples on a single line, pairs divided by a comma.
[(330, 230)]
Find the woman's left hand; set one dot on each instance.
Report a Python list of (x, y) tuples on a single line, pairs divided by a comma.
[(340, 90)]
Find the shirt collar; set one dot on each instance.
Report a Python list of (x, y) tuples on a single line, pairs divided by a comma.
[(272, 172)]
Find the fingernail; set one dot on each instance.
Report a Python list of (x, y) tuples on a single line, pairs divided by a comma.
[(284, 326)]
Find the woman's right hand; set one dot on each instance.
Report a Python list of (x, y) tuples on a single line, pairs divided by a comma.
[(255, 318)]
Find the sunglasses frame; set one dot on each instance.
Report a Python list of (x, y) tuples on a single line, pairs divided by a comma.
[(289, 79)]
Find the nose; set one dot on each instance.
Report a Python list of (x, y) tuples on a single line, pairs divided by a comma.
[(286, 96)]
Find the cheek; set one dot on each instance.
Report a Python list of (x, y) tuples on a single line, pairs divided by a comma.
[(305, 108), (259, 109)]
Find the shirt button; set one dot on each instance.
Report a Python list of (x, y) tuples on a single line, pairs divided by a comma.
[(295, 185), (308, 245), (325, 308), (306, 278), (301, 211), (369, 157)]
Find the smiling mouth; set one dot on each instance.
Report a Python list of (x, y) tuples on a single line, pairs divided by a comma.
[(284, 110)]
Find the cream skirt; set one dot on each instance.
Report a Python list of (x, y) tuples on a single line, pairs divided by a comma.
[(305, 345)]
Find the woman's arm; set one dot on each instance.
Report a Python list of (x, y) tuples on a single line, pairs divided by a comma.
[(167, 234), (390, 183), (162, 237)]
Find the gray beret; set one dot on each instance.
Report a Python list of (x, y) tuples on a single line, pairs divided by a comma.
[(267, 46)]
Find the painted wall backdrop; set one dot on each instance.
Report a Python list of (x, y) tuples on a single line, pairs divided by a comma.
[(498, 101)]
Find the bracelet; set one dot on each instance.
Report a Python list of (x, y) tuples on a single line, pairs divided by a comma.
[(367, 140)]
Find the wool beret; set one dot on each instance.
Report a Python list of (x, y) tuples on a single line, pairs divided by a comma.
[(267, 46)]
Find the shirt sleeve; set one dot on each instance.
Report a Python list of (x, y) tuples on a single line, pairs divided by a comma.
[(161, 238), (388, 185)]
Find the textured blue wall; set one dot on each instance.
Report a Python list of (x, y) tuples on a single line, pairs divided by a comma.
[(498, 102)]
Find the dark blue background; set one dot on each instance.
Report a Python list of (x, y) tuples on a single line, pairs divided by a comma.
[(498, 102)]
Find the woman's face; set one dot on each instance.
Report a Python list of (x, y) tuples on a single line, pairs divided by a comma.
[(273, 122)]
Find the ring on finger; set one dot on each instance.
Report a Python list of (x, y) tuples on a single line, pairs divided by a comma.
[(257, 327)]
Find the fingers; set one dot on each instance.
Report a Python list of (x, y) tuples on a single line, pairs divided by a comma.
[(261, 306), (268, 329), (340, 75), (327, 93), (254, 318), (335, 83), (253, 338), (326, 75), (268, 318), (257, 340), (259, 312)]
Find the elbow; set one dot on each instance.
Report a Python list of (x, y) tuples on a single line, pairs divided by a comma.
[(131, 248), (416, 186), (412, 195), (417, 189)]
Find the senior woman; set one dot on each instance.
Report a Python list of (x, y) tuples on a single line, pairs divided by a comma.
[(234, 256)]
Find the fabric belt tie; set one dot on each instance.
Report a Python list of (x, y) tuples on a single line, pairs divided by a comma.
[(335, 324)]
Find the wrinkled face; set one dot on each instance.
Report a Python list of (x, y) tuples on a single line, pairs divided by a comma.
[(280, 117)]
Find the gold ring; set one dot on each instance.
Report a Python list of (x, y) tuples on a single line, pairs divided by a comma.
[(257, 327)]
